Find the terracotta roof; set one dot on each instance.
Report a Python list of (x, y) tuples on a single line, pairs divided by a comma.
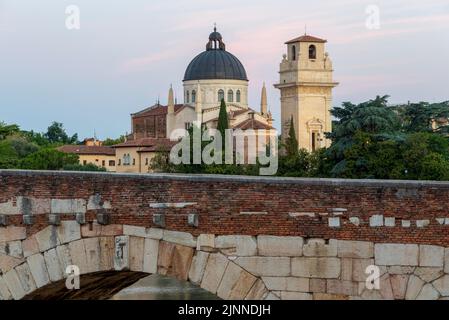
[(306, 38), (150, 144), (252, 124), (157, 110), (88, 150)]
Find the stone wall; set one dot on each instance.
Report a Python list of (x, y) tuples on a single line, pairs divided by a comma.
[(365, 210), (232, 267)]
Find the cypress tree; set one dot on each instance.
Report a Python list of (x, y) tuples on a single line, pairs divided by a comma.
[(223, 122), (291, 144)]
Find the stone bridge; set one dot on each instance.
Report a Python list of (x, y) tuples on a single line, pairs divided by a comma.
[(237, 237)]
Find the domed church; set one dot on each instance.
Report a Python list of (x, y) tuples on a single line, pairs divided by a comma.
[(211, 76)]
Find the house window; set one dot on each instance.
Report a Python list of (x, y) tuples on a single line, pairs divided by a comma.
[(134, 161), (112, 163), (293, 53), (230, 96), (312, 52), (119, 162), (237, 96), (220, 95), (193, 96), (188, 97), (103, 163)]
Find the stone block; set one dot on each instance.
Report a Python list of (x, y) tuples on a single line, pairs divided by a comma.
[(446, 260), (272, 246), (14, 249), (414, 287), (399, 285), (355, 221), (3, 220), (319, 248), (265, 266), (54, 219), (151, 233), (165, 256), (159, 220), (205, 242), (92, 247), (182, 238), (47, 238), (390, 222), (317, 285), (150, 255), (28, 219), (286, 284), (272, 296), (442, 285), (428, 292), (428, 274), (359, 269), (215, 268), (328, 268), (376, 220), (53, 266), (431, 256), (38, 270), (68, 231), (235, 283), (237, 245), (327, 296), (111, 230), (422, 223), (348, 288), (136, 249), (64, 258), (386, 289), (80, 218), (396, 254), (68, 206), (8, 262), (12, 233), (199, 263), (355, 249), (30, 246), (286, 295), (14, 285), (401, 270), (103, 218), (257, 292), (26, 278), (78, 255), (107, 250), (121, 256), (181, 261), (193, 220), (346, 269), (406, 223), (334, 222), (4, 291)]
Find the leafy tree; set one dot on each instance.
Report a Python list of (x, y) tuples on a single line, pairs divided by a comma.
[(291, 143), (7, 130), (56, 134), (223, 124), (419, 117), (80, 167), (48, 159), (111, 142)]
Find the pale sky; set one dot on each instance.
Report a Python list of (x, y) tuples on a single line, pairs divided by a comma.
[(127, 53)]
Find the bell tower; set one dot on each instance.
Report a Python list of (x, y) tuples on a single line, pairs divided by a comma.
[(306, 85)]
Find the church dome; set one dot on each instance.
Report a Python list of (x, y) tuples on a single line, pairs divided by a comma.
[(215, 63)]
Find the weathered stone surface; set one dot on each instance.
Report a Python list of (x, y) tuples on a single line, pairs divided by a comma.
[(401, 270), (399, 285), (199, 263), (4, 291), (26, 278), (151, 233), (69, 206), (14, 249), (47, 238), (7, 263), (14, 285), (257, 292), (150, 254), (68, 231), (342, 287), (12, 233), (359, 269), (286, 295), (428, 292), (355, 249), (265, 266), (237, 245), (205, 242), (92, 247), (442, 285), (386, 289), (371, 295), (446, 260), (396, 254), (107, 247), (319, 248), (272, 246), (182, 238), (272, 296), (121, 255), (111, 230), (215, 268), (346, 269), (38, 270), (78, 255), (182, 259), (136, 248), (94, 229), (317, 285), (165, 257), (429, 274), (53, 266), (431, 256), (64, 258), (328, 268), (286, 284), (414, 287), (30, 246), (327, 296), (376, 220), (235, 283)]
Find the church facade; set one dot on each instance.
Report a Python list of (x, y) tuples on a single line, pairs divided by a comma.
[(215, 75)]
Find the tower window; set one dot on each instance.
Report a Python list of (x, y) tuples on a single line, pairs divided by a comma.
[(237, 96), (220, 95), (312, 52), (293, 53), (188, 97), (193, 96), (230, 96)]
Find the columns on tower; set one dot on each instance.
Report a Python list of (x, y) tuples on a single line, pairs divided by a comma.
[(263, 101)]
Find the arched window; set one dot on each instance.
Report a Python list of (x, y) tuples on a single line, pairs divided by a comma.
[(312, 52), (230, 96), (193, 96), (188, 97), (237, 96), (293, 53), (220, 95)]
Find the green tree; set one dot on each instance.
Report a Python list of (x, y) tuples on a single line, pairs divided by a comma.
[(111, 142), (291, 143), (8, 130), (57, 134), (48, 159), (80, 167), (223, 122)]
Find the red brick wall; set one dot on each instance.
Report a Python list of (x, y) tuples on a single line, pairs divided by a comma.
[(220, 200)]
